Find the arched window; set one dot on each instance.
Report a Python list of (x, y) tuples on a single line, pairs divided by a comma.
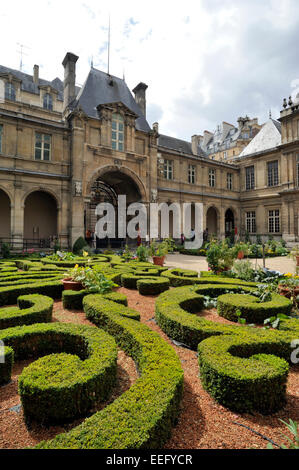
[(10, 91), (48, 101), (117, 134)]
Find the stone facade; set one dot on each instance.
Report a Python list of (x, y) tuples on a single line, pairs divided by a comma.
[(64, 149)]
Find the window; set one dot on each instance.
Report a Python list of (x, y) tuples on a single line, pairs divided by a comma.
[(212, 178), (42, 146), (1, 133), (225, 155), (229, 181), (168, 169), (117, 136), (272, 173), (250, 180), (250, 222), (297, 169), (48, 102), (191, 174), (10, 92), (274, 221)]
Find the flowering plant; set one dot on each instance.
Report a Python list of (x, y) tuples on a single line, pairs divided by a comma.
[(92, 280)]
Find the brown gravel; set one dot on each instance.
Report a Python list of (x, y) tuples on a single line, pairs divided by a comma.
[(203, 424)]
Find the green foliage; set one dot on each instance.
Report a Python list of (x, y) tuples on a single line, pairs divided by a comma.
[(244, 369), (5, 250), (251, 308), (142, 417), (292, 426), (153, 286), (59, 387), (79, 244), (142, 253), (92, 279), (220, 256), (159, 249), (31, 309)]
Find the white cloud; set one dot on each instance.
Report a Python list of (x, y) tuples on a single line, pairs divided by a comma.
[(204, 60)]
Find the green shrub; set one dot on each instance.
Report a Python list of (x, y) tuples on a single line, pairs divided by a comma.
[(79, 244), (31, 309), (251, 308), (73, 300), (6, 363), (243, 368), (142, 417), (152, 286), (59, 387)]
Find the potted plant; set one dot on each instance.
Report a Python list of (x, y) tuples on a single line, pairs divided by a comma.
[(158, 252), (93, 280), (294, 254), (289, 287), (240, 250)]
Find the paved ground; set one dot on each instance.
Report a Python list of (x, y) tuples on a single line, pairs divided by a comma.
[(199, 263)]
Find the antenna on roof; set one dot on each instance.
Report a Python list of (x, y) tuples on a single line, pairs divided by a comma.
[(22, 53), (109, 46)]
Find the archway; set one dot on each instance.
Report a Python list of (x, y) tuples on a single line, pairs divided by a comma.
[(229, 224), (106, 188), (212, 222), (40, 219), (4, 215)]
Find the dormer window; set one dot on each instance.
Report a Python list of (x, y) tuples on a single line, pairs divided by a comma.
[(117, 133), (10, 92), (48, 102)]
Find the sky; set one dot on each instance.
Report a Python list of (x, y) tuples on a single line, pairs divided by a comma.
[(204, 61)]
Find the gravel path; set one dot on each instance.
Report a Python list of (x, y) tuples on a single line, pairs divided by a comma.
[(199, 263)]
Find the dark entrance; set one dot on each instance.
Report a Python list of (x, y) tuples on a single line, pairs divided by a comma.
[(107, 188), (229, 224)]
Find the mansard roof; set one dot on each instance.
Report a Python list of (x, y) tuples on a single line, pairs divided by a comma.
[(268, 138), (101, 88), (174, 144), (28, 85)]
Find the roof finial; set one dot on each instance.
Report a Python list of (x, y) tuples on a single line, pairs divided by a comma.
[(124, 78), (91, 62), (270, 114)]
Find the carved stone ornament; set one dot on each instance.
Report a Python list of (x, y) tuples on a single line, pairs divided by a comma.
[(154, 195), (78, 188)]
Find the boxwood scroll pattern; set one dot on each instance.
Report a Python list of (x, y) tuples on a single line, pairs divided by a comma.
[(244, 369), (61, 386), (143, 416)]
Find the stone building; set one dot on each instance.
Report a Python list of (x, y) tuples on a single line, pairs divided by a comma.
[(64, 149)]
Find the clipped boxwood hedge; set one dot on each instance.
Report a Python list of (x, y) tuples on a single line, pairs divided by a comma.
[(142, 417), (152, 286), (60, 387), (73, 300), (31, 309), (9, 295), (243, 368), (251, 308)]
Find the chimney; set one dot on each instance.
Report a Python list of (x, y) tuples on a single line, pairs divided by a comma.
[(69, 64), (206, 138), (140, 98), (36, 74), (196, 141)]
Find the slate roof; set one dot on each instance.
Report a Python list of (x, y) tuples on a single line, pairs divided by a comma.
[(268, 138), (174, 144), (97, 90), (29, 85)]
